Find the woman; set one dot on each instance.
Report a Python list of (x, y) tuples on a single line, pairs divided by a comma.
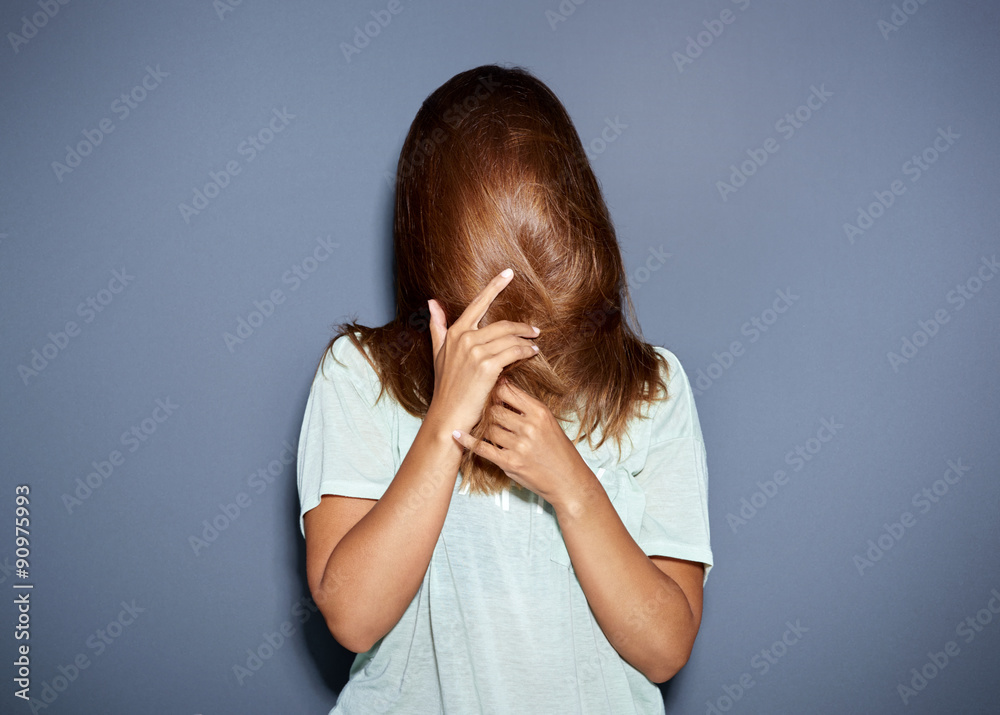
[(475, 556)]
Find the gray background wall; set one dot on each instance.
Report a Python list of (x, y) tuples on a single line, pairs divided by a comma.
[(130, 613)]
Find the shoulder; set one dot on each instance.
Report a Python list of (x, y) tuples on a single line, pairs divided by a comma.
[(676, 378), (673, 361), (345, 364), (676, 415), (344, 357)]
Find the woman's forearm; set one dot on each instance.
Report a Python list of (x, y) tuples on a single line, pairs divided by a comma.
[(375, 570), (643, 612)]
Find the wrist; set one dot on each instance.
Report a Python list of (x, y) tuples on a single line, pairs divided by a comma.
[(577, 497), (438, 427)]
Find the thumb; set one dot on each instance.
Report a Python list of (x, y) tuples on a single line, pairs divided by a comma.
[(437, 326)]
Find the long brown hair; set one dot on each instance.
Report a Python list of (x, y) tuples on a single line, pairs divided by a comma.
[(492, 174)]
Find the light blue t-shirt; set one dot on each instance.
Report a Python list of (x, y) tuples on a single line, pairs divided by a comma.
[(500, 623)]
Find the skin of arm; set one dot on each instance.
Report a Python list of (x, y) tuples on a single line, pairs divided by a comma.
[(648, 607), (364, 575), (390, 544)]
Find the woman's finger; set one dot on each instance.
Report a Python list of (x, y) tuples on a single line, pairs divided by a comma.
[(474, 312), (513, 395), (503, 328), (504, 418), (438, 327), (482, 448)]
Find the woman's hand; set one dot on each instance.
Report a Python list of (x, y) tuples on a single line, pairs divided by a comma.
[(468, 359), (530, 446), (649, 608)]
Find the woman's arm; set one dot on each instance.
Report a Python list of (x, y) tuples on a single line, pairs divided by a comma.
[(364, 579), (649, 608)]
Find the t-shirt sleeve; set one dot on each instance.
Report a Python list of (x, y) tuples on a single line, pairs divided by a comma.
[(674, 477), (345, 440)]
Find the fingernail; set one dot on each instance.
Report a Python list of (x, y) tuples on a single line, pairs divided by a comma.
[(507, 272), (456, 434), (535, 328)]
